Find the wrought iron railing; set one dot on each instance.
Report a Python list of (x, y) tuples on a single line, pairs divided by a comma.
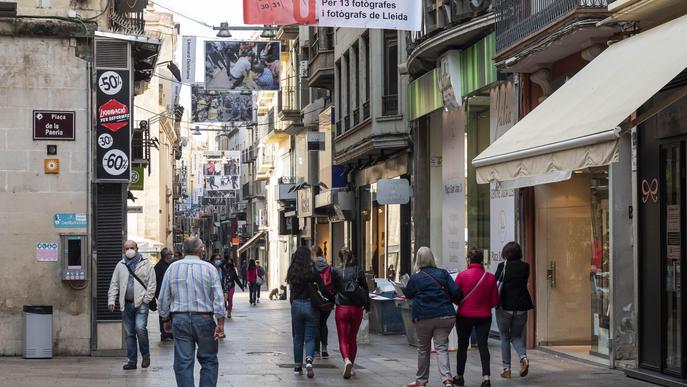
[(287, 99), (356, 116), (518, 19), (270, 121), (347, 123), (390, 105), (339, 128), (130, 23), (366, 110)]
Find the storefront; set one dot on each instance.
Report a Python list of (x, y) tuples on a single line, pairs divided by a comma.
[(661, 200)]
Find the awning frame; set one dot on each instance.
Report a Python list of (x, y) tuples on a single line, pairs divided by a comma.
[(251, 241)]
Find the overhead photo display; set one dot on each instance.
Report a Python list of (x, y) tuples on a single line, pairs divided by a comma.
[(222, 171), (242, 65), (217, 106)]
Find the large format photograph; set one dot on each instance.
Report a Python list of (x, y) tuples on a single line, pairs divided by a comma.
[(242, 65), (222, 171), (215, 106)]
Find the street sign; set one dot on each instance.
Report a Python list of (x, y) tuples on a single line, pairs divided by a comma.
[(393, 191), (53, 125), (136, 179), (113, 129), (134, 209)]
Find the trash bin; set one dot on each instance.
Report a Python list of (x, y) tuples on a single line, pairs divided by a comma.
[(37, 331), (406, 308), (385, 318)]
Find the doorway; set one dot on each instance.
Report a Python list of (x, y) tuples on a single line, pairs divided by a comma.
[(572, 268)]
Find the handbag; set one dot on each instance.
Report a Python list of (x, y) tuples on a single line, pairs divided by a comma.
[(356, 293), (320, 298), (152, 305)]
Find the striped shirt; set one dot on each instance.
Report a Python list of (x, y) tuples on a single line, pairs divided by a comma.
[(191, 285)]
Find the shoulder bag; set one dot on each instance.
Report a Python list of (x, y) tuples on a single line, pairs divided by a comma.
[(499, 284), (152, 305), (354, 292), (320, 298)]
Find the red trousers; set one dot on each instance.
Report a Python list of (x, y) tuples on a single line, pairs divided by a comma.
[(229, 299), (348, 320)]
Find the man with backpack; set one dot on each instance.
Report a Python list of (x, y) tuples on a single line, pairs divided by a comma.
[(325, 271)]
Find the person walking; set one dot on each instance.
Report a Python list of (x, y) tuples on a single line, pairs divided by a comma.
[(244, 270), (325, 271), (474, 310), (252, 276), (133, 280), (259, 280), (511, 314), (351, 297), (229, 283), (166, 259), (191, 293), (433, 293), (305, 318)]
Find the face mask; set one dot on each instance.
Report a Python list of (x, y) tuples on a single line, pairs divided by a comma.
[(217, 262), (130, 253)]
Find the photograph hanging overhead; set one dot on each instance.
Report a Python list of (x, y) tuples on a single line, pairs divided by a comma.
[(242, 65), (215, 106)]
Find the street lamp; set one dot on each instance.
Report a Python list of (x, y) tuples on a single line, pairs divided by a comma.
[(268, 33), (223, 30), (173, 68)]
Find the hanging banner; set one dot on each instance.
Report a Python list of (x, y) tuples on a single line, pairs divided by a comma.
[(113, 126), (453, 177), (215, 106), (222, 171), (242, 65), (384, 14), (188, 59), (137, 179)]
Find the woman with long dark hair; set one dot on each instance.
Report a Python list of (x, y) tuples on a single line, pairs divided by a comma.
[(229, 282), (305, 318), (352, 296), (252, 277)]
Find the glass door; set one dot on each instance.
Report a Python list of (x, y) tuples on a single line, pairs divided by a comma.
[(600, 267), (672, 246)]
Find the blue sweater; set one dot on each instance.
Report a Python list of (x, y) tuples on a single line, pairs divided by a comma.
[(431, 295)]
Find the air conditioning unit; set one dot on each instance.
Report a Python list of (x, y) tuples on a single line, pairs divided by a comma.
[(467, 9), (8, 8)]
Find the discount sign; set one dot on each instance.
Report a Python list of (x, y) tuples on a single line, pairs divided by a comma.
[(114, 126)]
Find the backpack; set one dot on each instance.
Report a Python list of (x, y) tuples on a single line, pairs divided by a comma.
[(326, 276)]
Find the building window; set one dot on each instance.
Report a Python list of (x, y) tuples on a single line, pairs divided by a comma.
[(366, 74), (346, 111), (390, 97), (339, 102), (355, 93)]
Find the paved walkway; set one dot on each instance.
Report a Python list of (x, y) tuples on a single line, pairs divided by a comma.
[(257, 352)]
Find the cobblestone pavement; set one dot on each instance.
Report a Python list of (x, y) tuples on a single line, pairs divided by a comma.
[(257, 352)]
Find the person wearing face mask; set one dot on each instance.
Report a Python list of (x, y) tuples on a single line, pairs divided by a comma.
[(134, 281), (166, 259)]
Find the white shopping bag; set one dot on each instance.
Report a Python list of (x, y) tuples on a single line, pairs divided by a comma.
[(364, 331), (452, 341)]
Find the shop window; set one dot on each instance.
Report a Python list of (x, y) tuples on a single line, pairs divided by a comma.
[(477, 195)]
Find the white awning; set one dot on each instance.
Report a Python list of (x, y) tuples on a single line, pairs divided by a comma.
[(577, 126), (251, 241)]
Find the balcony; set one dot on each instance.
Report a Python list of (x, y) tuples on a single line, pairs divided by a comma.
[(390, 105), (339, 128), (347, 123), (285, 192), (264, 162), (248, 155), (532, 26), (321, 65), (366, 110), (287, 104), (356, 117), (129, 23)]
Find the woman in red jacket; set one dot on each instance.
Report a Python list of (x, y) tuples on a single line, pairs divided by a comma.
[(481, 294)]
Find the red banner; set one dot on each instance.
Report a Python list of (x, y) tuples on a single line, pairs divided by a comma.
[(279, 12)]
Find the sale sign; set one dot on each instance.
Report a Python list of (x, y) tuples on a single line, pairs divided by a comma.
[(113, 98), (384, 14)]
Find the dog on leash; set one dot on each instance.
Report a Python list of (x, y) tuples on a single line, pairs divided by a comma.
[(274, 294)]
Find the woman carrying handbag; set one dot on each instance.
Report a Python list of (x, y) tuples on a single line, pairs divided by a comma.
[(433, 293), (511, 315), (481, 295)]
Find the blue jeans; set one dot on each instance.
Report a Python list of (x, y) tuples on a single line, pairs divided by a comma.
[(253, 291), (190, 331), (135, 321), (305, 321), (511, 326)]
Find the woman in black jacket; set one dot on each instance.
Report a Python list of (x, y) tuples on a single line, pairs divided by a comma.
[(352, 296), (511, 315), (305, 318)]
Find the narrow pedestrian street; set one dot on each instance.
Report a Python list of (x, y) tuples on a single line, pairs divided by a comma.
[(257, 352)]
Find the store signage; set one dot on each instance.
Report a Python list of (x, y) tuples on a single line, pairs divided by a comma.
[(453, 180), (502, 109), (137, 179), (316, 141), (46, 251), (388, 14), (53, 125), (134, 209), (393, 191), (305, 203), (70, 220), (113, 130), (51, 166), (449, 80), (188, 54)]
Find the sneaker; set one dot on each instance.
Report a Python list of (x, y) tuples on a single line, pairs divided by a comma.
[(129, 366), (458, 381), (325, 355), (146, 362), (228, 314), (298, 370), (258, 300), (348, 368), (447, 383), (506, 373), (416, 384), (486, 383), (353, 372), (524, 367), (309, 369)]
